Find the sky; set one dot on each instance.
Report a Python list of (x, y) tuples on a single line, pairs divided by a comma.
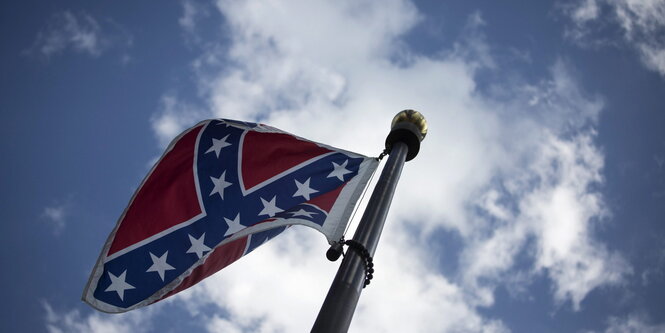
[(534, 205)]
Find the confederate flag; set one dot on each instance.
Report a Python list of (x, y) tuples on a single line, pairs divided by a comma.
[(221, 189)]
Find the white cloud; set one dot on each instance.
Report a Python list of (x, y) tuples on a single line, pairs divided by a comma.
[(586, 11), (545, 205), (188, 19), (221, 325), (653, 56), (193, 12), (73, 321), (174, 116), (65, 30), (79, 32), (561, 212), (509, 172), (56, 215), (642, 23), (633, 324), (292, 270)]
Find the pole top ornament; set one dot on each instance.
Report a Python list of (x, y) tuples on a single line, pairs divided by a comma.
[(409, 127)]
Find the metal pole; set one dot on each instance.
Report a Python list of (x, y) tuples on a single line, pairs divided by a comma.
[(340, 303)]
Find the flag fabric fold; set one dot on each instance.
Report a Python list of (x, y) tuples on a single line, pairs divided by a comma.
[(221, 189)]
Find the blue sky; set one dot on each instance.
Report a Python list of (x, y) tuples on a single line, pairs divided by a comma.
[(535, 204)]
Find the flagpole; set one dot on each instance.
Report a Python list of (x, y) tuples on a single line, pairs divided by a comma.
[(403, 143)]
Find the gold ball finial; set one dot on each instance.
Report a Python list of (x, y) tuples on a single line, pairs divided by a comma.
[(410, 128), (413, 117)]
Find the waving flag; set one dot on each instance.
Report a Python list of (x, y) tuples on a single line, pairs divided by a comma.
[(221, 189)]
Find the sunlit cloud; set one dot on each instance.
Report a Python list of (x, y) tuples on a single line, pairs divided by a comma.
[(641, 23), (499, 170)]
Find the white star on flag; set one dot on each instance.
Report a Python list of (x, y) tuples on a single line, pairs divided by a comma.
[(197, 245), (339, 170), (220, 184), (270, 207), (303, 212), (118, 284), (234, 225), (159, 264), (303, 189), (218, 144)]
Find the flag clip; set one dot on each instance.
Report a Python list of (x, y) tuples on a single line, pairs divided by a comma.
[(385, 152)]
